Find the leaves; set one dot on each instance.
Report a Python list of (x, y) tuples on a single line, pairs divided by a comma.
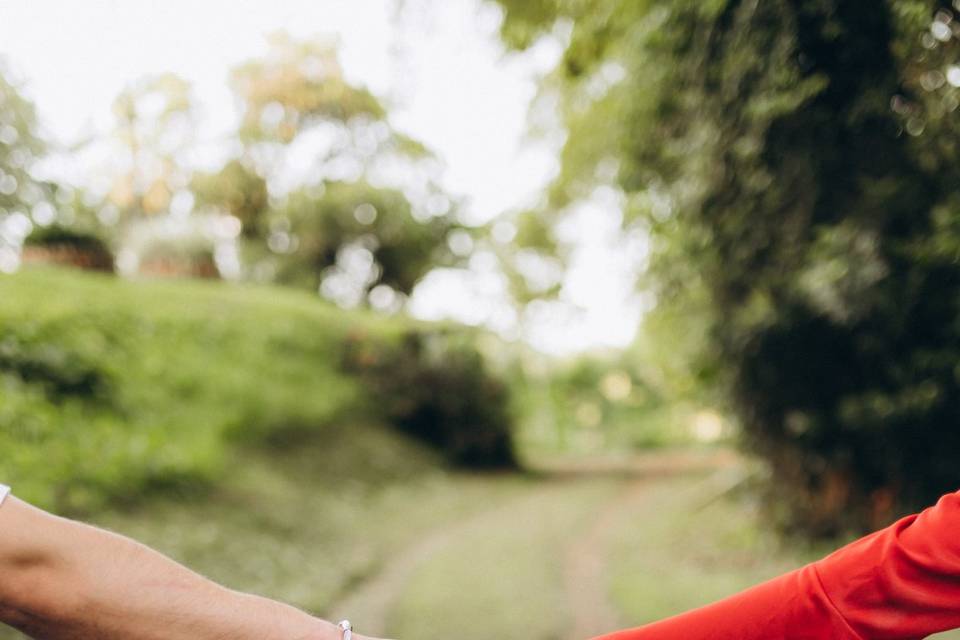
[(795, 164), (297, 85), (378, 222)]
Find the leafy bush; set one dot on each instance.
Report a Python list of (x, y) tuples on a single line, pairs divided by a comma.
[(111, 388), (434, 385)]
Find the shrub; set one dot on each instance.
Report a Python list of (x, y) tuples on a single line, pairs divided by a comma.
[(434, 385)]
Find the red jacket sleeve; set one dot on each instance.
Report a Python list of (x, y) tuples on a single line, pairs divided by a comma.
[(900, 583)]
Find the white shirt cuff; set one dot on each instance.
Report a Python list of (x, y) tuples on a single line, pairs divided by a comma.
[(4, 490)]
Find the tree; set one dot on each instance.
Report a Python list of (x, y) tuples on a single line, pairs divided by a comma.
[(329, 195), (795, 163), (155, 125), (296, 95), (237, 190), (298, 84), (348, 238)]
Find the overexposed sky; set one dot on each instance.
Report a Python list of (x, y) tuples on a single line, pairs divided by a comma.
[(438, 65)]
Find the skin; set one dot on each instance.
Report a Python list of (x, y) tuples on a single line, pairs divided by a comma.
[(64, 580)]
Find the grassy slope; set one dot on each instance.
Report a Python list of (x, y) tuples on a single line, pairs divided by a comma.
[(126, 386)]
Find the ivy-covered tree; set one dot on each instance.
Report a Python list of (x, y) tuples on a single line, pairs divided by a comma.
[(796, 165)]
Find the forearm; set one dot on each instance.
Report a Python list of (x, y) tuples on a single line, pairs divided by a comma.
[(68, 580)]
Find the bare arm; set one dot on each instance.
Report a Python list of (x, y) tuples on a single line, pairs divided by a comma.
[(61, 579)]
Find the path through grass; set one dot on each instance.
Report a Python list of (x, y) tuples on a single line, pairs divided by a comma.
[(429, 554)]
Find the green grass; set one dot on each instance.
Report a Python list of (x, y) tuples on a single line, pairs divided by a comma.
[(680, 550), (304, 528), (118, 385), (112, 389)]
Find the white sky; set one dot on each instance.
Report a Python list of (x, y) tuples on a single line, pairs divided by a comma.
[(440, 69)]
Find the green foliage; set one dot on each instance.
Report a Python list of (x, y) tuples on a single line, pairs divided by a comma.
[(320, 222), (300, 84), (331, 227), (235, 189), (597, 404), (19, 143), (112, 388), (436, 387), (796, 166), (56, 234), (295, 101)]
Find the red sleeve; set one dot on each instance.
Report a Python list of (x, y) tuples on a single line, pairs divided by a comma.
[(900, 583)]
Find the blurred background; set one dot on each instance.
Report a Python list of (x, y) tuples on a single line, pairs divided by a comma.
[(458, 318)]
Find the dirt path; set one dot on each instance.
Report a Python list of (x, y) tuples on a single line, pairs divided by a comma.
[(372, 600), (585, 566), (583, 561)]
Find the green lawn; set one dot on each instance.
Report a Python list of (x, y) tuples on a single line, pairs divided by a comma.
[(679, 549)]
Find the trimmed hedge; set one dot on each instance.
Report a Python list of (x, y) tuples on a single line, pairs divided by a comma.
[(59, 245)]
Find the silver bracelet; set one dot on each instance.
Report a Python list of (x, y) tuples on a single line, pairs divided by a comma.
[(346, 630)]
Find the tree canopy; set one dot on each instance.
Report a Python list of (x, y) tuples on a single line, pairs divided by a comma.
[(340, 226), (317, 188), (795, 164)]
